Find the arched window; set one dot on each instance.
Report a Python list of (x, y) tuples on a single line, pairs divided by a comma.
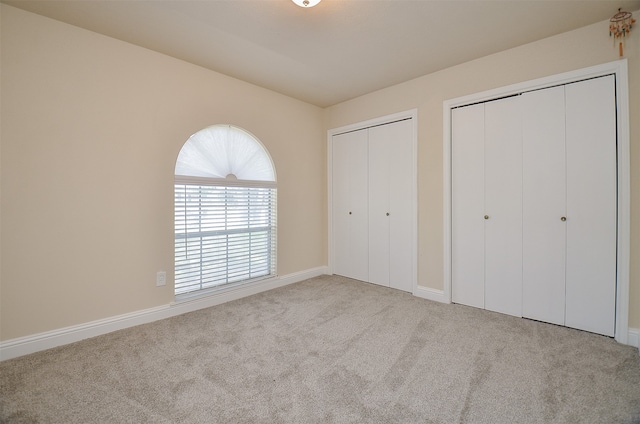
[(225, 210)]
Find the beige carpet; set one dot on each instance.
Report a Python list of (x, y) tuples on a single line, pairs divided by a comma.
[(329, 350)]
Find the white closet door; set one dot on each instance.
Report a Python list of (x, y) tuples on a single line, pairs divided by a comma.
[(503, 206), (544, 205), (467, 205), (400, 204), (380, 151), (591, 205), (390, 175), (350, 220)]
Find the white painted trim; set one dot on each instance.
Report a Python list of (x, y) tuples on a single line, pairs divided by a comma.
[(47, 340), (216, 298), (619, 68), (408, 114), (633, 338), (430, 294), (381, 120), (624, 203), (330, 260)]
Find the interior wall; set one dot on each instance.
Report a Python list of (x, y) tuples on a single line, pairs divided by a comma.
[(577, 49), (91, 128)]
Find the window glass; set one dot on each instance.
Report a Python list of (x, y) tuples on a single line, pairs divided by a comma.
[(225, 211)]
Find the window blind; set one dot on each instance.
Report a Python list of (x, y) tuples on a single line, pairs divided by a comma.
[(223, 235)]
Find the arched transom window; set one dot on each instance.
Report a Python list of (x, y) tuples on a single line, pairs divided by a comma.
[(225, 210)]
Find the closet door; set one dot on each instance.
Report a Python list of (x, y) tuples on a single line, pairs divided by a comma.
[(544, 205), (467, 205), (591, 205), (390, 177), (503, 206), (349, 188), (390, 195), (400, 197), (380, 153)]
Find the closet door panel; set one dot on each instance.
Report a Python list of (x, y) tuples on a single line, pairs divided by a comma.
[(544, 205), (503, 206), (400, 217), (380, 151), (591, 205), (467, 205), (341, 205), (350, 221), (390, 175)]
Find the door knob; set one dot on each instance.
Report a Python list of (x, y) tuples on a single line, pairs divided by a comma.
[(349, 212), (564, 218), (486, 217), (387, 213)]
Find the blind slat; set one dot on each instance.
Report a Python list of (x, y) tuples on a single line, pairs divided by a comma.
[(223, 235)]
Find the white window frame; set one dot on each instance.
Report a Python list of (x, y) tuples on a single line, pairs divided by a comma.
[(210, 222)]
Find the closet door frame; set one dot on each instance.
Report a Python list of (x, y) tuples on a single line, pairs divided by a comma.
[(619, 70), (387, 119)]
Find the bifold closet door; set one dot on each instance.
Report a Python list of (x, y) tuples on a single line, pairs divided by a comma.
[(350, 215), (487, 206), (541, 169), (379, 206), (390, 177), (467, 205), (503, 206), (544, 205), (591, 205)]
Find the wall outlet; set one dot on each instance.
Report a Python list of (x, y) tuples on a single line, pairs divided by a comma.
[(161, 278)]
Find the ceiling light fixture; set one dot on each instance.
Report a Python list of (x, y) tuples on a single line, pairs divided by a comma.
[(306, 3)]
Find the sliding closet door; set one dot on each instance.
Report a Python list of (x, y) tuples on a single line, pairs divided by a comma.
[(503, 206), (350, 216), (467, 205), (544, 205), (591, 205)]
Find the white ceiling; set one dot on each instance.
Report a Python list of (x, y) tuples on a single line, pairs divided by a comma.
[(335, 51)]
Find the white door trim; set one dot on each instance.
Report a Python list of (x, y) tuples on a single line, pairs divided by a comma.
[(387, 119), (619, 69)]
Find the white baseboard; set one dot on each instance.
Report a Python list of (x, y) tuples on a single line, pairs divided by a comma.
[(633, 334), (430, 294), (47, 340), (633, 339)]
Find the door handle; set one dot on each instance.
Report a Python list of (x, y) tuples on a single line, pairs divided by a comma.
[(486, 217)]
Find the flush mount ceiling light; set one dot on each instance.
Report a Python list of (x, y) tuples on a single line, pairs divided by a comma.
[(306, 3)]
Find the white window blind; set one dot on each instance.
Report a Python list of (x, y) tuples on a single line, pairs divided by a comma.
[(225, 211), (223, 234)]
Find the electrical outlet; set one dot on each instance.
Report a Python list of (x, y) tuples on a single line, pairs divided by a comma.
[(161, 278)]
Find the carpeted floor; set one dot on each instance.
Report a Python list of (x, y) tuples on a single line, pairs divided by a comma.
[(329, 350)]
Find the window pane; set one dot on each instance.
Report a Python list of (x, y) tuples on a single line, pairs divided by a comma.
[(223, 235)]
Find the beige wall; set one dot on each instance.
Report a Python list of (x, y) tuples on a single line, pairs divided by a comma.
[(569, 51), (91, 128)]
